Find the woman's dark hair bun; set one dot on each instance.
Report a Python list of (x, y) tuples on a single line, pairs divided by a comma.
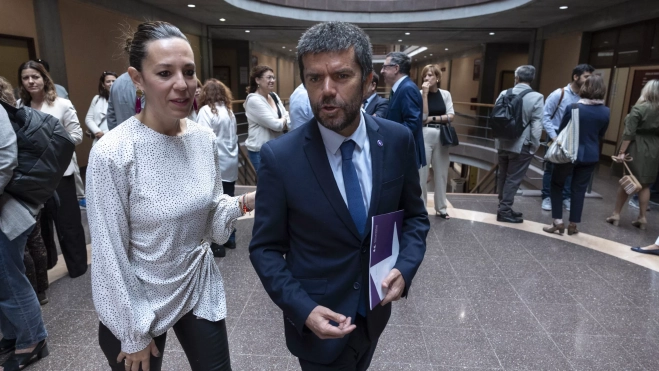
[(137, 43), (129, 41)]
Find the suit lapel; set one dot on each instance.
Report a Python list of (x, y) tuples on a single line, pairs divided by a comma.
[(377, 165), (314, 148)]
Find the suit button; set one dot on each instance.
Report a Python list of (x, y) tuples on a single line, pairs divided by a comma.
[(356, 286), (364, 250)]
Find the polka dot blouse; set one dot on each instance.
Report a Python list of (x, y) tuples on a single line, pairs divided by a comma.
[(151, 201)]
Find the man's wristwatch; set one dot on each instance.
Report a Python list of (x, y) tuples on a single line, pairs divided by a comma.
[(433, 118)]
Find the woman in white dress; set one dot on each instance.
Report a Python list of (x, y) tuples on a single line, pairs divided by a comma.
[(38, 91), (95, 119), (156, 203), (216, 113)]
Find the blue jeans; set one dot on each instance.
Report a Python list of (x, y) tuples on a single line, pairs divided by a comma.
[(20, 313), (546, 183), (255, 158)]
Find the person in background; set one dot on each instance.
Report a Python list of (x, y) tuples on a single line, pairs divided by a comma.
[(61, 91), (21, 324), (641, 142), (265, 112), (405, 102), (515, 155), (37, 91), (35, 258), (123, 101), (375, 105), (195, 103), (300, 108), (215, 102), (96, 120), (437, 112), (552, 116), (593, 122)]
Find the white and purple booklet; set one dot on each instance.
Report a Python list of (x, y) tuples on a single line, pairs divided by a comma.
[(385, 244)]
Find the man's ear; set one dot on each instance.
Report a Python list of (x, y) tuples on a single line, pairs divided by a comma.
[(367, 85), (136, 76)]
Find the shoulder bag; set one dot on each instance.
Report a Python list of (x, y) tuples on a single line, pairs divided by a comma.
[(447, 134), (565, 148)]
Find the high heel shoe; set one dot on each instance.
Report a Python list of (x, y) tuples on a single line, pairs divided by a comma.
[(640, 223), (555, 227), (614, 219), (572, 229), (17, 362)]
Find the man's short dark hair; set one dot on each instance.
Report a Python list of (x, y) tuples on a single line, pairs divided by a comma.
[(403, 61), (581, 69), (44, 64), (525, 73), (376, 78), (336, 37)]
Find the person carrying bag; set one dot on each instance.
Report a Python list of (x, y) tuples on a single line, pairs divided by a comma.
[(565, 148)]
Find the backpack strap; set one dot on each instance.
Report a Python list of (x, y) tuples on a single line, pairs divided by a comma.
[(274, 97), (558, 104)]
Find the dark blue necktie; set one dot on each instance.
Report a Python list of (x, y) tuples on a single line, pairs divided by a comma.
[(352, 187)]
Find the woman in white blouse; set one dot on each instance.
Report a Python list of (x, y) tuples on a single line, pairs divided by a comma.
[(156, 203), (266, 114), (38, 91), (216, 113), (95, 119), (437, 112)]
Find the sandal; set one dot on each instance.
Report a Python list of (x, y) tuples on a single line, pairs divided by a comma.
[(17, 362), (443, 216)]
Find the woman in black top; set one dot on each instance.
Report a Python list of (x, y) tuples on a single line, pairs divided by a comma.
[(437, 111)]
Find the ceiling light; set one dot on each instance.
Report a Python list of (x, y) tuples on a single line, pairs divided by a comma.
[(290, 50), (419, 50), (247, 31), (283, 47), (563, 7), (445, 48), (431, 54), (424, 56), (400, 41), (191, 5), (222, 19), (407, 33), (491, 33)]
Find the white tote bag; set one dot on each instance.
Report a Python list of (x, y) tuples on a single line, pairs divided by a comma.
[(565, 147)]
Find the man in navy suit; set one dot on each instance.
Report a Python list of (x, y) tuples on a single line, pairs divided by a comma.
[(375, 105), (319, 187), (405, 101)]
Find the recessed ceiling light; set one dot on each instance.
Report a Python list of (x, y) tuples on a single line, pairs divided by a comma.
[(445, 48), (407, 33), (491, 33), (563, 7), (424, 56), (191, 5), (431, 54), (290, 50), (400, 41), (283, 47), (222, 19), (247, 31)]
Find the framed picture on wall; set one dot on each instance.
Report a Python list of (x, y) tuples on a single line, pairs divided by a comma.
[(477, 69), (223, 73)]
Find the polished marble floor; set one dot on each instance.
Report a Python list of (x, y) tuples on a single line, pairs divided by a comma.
[(487, 297)]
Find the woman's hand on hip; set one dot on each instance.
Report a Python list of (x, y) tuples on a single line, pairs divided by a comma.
[(142, 357)]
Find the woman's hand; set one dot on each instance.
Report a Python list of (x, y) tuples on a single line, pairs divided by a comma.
[(425, 87), (143, 357), (250, 200), (98, 135)]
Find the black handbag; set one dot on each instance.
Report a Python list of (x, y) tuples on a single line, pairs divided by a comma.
[(448, 136)]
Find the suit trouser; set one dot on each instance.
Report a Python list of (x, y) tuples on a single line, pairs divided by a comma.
[(356, 356), (581, 173), (204, 342), (512, 168), (437, 156)]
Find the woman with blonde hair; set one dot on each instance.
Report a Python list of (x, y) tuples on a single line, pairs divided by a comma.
[(641, 142), (437, 112), (215, 101)]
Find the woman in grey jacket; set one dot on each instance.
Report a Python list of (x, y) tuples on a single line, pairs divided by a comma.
[(266, 114)]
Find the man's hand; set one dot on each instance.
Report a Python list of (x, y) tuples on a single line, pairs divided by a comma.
[(394, 284), (143, 357), (319, 323)]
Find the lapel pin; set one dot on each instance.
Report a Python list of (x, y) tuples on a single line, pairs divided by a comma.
[(380, 143)]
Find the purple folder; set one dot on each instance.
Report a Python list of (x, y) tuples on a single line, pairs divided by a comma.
[(385, 244)]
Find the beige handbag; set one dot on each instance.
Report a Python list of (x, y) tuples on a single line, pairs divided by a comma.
[(629, 182)]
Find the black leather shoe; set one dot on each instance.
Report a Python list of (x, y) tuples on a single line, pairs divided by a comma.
[(516, 214), (218, 250), (7, 345), (230, 245), (509, 218)]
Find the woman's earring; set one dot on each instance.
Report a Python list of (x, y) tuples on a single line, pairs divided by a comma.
[(258, 86), (138, 100)]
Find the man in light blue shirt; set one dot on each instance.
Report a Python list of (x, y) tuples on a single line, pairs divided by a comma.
[(555, 105), (299, 108), (121, 105)]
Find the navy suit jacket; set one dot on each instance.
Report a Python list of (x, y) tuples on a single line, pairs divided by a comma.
[(406, 107), (378, 106), (305, 246)]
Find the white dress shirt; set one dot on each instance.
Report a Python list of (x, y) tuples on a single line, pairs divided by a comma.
[(95, 120), (361, 158), (393, 88), (300, 108)]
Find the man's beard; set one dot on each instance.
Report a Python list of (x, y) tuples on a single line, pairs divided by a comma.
[(344, 117)]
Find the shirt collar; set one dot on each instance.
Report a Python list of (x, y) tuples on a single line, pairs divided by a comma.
[(333, 140), (568, 88), (370, 99), (398, 83)]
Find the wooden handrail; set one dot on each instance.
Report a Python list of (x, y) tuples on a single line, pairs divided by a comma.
[(475, 104)]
